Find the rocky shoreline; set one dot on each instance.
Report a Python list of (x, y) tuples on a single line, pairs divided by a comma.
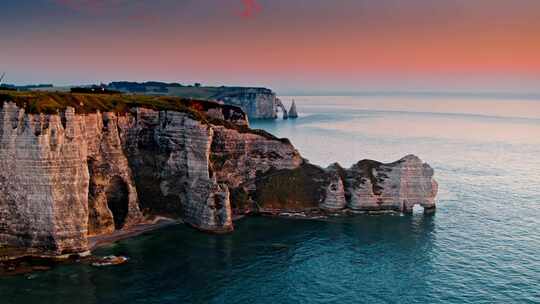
[(26, 263), (79, 169)]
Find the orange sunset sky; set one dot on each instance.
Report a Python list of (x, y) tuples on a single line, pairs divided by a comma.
[(291, 46)]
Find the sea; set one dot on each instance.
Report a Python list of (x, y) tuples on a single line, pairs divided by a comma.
[(481, 246)]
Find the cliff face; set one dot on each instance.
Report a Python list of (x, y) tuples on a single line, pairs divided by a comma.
[(67, 176), (44, 181), (397, 186), (367, 186), (258, 103), (170, 155)]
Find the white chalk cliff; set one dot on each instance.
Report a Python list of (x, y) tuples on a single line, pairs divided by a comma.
[(69, 175)]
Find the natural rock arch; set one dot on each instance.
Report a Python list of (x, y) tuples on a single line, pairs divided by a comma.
[(118, 201), (409, 207), (279, 105)]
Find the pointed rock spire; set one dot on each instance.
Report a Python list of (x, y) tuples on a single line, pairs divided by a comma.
[(292, 112)]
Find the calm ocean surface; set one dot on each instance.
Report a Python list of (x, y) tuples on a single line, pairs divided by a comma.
[(482, 246)]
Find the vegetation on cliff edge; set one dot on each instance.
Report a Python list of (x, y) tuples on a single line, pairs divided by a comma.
[(54, 102)]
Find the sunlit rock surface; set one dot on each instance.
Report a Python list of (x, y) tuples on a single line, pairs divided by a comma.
[(258, 103), (397, 186)]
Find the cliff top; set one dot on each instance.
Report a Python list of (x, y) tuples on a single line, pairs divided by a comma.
[(55, 102), (176, 89)]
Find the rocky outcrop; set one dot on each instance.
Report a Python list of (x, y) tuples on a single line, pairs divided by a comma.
[(279, 105), (70, 175), (67, 176), (368, 186), (258, 103), (335, 198), (397, 186), (170, 156), (293, 113), (240, 157), (112, 194)]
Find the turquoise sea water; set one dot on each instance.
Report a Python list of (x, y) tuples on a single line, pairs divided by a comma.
[(482, 246)]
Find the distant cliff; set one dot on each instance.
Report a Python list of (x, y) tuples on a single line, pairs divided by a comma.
[(258, 103), (79, 165)]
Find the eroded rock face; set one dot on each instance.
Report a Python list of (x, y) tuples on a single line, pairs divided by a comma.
[(335, 189), (65, 177), (170, 156), (397, 186), (113, 199), (258, 103), (366, 186), (239, 157), (290, 190), (44, 181)]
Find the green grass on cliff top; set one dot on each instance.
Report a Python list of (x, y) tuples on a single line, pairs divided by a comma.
[(56, 102)]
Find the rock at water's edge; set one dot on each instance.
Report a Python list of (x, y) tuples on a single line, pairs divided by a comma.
[(293, 113)]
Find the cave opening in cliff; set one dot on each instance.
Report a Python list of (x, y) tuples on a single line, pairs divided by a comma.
[(118, 201)]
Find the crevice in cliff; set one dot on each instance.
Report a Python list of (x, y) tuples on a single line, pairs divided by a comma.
[(147, 153), (63, 119), (373, 171), (118, 201)]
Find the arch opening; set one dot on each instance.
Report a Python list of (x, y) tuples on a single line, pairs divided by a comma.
[(118, 201), (280, 106), (418, 209)]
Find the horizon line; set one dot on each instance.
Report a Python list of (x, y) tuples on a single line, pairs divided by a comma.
[(390, 92)]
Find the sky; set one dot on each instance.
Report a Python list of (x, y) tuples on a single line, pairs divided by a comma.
[(288, 45)]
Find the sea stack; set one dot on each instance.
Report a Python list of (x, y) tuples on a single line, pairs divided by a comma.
[(280, 105), (292, 112)]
